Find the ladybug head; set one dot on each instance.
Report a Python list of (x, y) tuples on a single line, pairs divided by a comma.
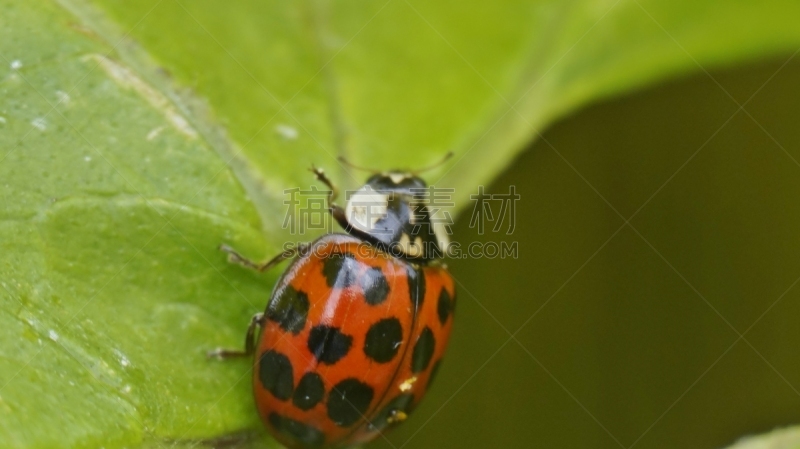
[(393, 210)]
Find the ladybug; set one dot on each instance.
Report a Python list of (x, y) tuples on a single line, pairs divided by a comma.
[(356, 327)]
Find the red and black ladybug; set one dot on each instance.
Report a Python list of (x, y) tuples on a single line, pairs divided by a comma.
[(357, 325)]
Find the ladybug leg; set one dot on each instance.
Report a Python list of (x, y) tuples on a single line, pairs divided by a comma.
[(336, 211), (249, 342), (235, 257), (323, 178)]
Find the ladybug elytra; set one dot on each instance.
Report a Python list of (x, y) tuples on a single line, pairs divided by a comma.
[(356, 327)]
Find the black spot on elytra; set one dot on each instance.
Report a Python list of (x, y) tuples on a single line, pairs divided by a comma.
[(289, 309), (416, 286), (375, 286), (444, 306), (302, 433), (309, 391), (383, 340), (349, 401), (423, 351), (434, 372), (340, 270), (328, 344), (382, 419), (276, 375)]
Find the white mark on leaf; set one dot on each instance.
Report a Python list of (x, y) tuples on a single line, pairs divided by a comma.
[(52, 335), (123, 360), (39, 123), (154, 133), (16, 64), (63, 97), (287, 132)]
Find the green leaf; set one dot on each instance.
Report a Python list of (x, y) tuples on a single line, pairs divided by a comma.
[(788, 438), (136, 136), (397, 83), (111, 285)]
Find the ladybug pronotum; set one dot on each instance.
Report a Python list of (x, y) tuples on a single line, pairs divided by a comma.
[(356, 327)]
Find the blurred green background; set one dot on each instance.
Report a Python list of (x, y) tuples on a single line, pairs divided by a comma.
[(628, 335)]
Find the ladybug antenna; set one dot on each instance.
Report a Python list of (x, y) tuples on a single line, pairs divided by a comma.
[(353, 166), (436, 164)]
